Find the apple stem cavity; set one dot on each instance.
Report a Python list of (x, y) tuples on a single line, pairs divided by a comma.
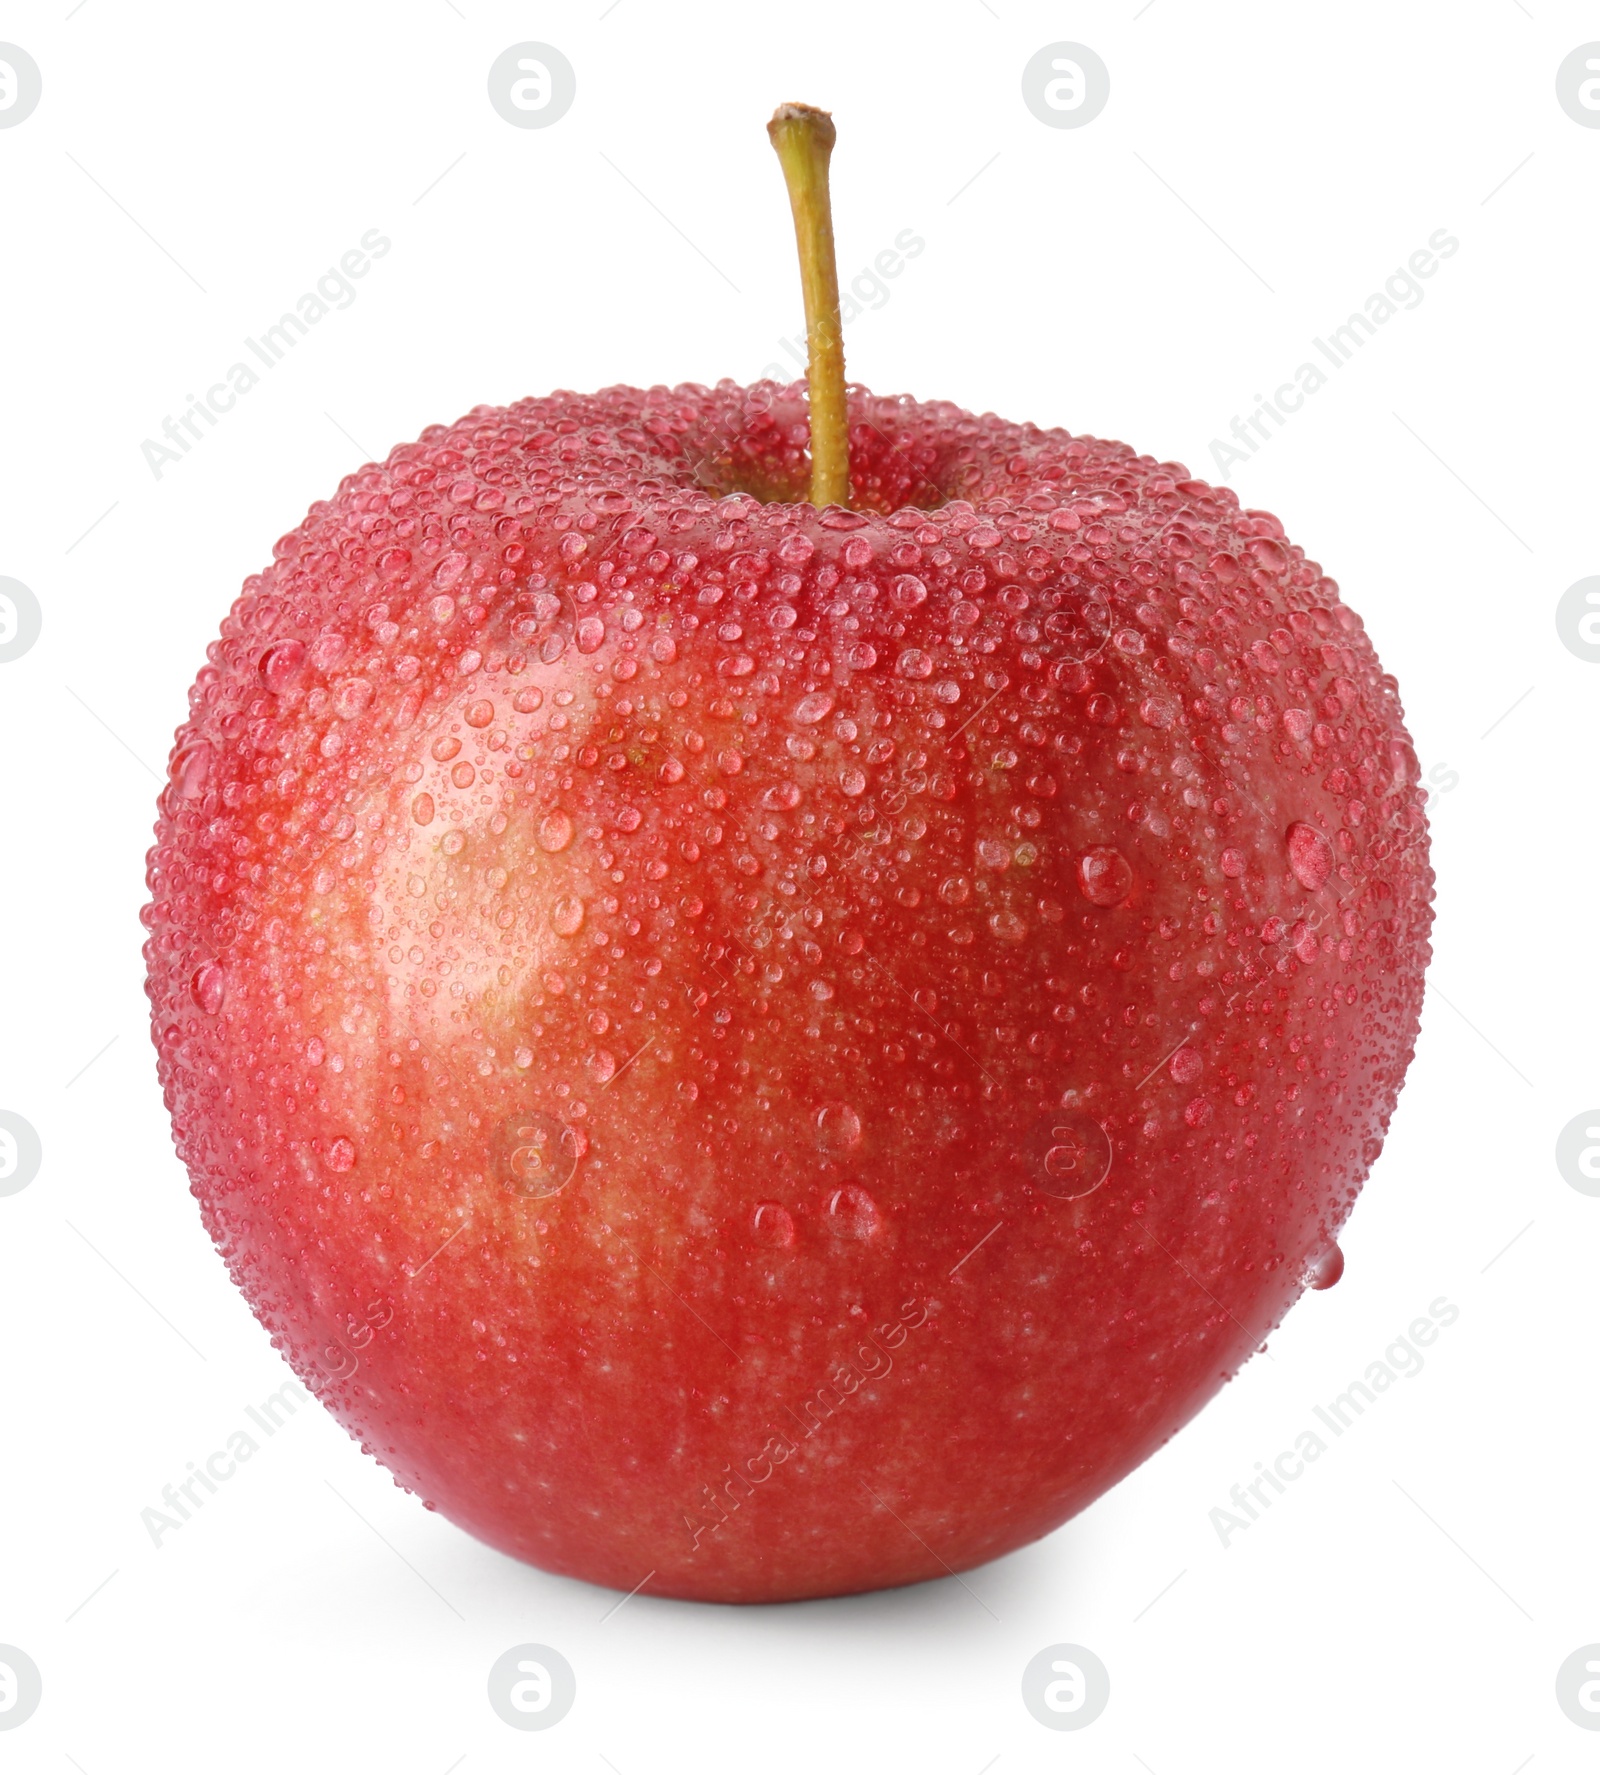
[(804, 138)]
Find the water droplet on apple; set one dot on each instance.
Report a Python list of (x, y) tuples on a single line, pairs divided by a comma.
[(772, 1225), (1186, 1066), (328, 649), (281, 665), (591, 632), (602, 1065), (191, 770), (422, 809), (1105, 876), (567, 915), (208, 986), (341, 1154), (838, 1128), (1310, 855), (1233, 864), (813, 708), (555, 831), (853, 781), (351, 697), (850, 1213), (1325, 1268)]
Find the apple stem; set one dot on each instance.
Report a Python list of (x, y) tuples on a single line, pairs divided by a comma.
[(804, 138)]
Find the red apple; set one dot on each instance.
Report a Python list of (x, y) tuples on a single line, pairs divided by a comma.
[(771, 1050)]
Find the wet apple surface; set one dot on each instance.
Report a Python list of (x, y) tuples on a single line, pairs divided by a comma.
[(780, 1049)]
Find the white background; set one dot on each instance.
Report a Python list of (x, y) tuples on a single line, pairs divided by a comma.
[(1259, 170)]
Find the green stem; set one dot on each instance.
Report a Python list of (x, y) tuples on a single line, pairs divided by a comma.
[(804, 137)]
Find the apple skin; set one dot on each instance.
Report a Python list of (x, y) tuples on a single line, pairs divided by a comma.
[(775, 1052)]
